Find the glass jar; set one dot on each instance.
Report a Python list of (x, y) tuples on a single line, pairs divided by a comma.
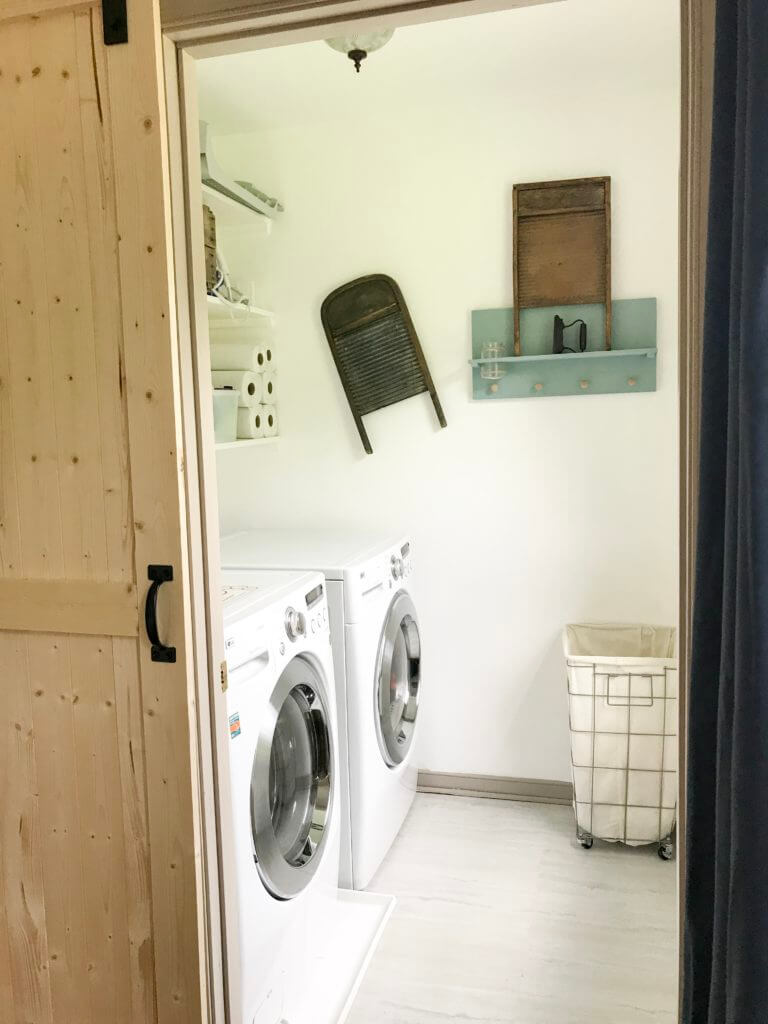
[(492, 351)]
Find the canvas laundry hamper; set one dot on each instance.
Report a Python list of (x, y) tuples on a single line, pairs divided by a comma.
[(622, 695)]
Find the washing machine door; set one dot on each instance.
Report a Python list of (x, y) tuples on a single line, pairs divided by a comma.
[(292, 781), (398, 677)]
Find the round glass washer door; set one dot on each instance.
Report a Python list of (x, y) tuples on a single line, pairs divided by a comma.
[(292, 781), (398, 676)]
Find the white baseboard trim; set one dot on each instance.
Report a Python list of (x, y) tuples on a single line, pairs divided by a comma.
[(496, 787)]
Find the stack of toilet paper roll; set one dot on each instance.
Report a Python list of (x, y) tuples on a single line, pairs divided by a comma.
[(246, 367)]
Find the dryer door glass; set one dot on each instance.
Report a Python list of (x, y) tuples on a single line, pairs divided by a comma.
[(292, 781), (398, 675)]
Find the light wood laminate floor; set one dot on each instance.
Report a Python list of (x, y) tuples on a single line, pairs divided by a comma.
[(502, 918)]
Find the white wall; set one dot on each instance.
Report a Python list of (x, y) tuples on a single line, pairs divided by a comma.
[(524, 514)]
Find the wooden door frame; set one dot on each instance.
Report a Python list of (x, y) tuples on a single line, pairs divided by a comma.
[(697, 47), (245, 24), (198, 23)]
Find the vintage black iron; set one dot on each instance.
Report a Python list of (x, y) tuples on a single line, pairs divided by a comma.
[(375, 347)]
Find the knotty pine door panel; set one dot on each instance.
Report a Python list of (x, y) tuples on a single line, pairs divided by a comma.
[(100, 894)]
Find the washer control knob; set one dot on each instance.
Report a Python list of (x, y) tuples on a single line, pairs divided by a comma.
[(397, 567), (295, 624)]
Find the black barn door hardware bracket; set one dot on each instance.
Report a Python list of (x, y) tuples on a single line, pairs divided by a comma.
[(114, 15), (158, 574)]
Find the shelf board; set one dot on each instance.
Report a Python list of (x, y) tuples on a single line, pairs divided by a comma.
[(230, 314), (231, 214), (628, 367), (225, 446), (614, 353), (618, 371)]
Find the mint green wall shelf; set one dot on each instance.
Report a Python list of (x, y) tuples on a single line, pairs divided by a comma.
[(630, 366)]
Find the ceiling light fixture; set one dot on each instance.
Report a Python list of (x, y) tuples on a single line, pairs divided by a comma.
[(358, 47)]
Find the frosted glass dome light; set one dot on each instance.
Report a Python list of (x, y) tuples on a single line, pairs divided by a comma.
[(358, 47)]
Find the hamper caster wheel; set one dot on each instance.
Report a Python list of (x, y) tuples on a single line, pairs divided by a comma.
[(586, 842), (666, 851)]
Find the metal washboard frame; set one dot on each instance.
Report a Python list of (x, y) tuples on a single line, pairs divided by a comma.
[(375, 347)]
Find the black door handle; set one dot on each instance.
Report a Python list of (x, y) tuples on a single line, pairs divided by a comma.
[(158, 574)]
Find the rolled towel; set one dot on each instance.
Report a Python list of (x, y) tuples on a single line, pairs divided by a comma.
[(269, 415), (248, 385), (268, 388), (251, 423), (238, 355)]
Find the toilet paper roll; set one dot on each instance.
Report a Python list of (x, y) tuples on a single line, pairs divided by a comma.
[(238, 355), (251, 423), (268, 388), (269, 416), (248, 385), (269, 355)]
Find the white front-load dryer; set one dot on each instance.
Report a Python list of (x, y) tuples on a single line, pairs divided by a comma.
[(377, 658), (280, 851)]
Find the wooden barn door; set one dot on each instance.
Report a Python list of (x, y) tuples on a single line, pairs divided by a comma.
[(100, 895)]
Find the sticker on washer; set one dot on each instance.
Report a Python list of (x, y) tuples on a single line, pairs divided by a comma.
[(234, 725)]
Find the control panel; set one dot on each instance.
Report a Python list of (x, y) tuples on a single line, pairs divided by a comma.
[(319, 620), (295, 624), (400, 563), (313, 620)]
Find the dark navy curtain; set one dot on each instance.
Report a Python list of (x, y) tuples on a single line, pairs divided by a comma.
[(726, 897)]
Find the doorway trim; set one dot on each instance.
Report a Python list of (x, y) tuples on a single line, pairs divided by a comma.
[(697, 48), (206, 22), (194, 29)]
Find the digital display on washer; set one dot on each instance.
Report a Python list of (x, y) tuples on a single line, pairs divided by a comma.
[(405, 550), (314, 595)]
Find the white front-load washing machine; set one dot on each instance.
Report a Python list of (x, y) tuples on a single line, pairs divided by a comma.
[(280, 844), (377, 657)]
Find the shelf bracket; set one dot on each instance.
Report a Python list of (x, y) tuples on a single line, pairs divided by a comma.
[(114, 15)]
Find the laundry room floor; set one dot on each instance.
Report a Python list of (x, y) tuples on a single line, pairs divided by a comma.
[(502, 918)]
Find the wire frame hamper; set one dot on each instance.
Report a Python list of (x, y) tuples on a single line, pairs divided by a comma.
[(622, 698)]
